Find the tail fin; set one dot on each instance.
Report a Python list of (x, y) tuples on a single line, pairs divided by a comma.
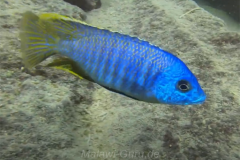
[(38, 39)]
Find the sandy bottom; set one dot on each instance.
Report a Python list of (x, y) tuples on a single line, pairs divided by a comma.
[(52, 115)]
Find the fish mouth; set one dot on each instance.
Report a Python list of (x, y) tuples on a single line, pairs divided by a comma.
[(200, 100)]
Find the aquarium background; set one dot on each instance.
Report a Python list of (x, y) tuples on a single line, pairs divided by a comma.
[(48, 114)]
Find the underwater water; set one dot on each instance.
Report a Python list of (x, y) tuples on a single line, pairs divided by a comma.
[(50, 114)]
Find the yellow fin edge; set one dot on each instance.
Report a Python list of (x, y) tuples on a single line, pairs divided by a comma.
[(53, 16), (64, 69)]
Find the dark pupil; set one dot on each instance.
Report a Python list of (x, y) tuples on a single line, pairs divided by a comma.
[(183, 85)]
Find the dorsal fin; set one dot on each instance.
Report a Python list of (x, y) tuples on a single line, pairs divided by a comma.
[(66, 27), (55, 16), (74, 28)]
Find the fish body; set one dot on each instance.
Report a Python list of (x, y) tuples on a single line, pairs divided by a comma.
[(121, 63)]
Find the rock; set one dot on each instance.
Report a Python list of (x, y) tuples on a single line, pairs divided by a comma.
[(86, 5), (231, 7)]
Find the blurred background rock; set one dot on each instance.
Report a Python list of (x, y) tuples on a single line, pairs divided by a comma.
[(86, 5), (229, 11)]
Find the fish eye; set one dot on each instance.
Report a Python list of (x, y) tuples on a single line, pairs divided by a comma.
[(184, 86)]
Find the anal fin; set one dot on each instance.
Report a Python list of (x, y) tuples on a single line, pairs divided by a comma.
[(70, 66)]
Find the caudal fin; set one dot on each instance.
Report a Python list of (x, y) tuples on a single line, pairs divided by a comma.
[(38, 39)]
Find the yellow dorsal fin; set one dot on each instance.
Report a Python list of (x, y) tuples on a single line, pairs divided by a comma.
[(66, 27), (55, 16)]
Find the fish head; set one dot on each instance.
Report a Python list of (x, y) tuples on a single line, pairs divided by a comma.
[(177, 85)]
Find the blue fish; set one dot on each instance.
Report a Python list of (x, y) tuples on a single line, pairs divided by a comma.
[(118, 62)]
